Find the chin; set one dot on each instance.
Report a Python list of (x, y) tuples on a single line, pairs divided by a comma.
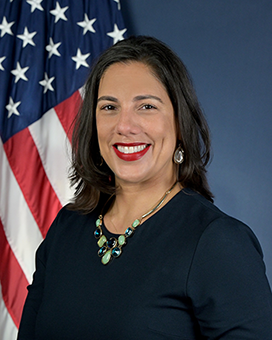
[(130, 177)]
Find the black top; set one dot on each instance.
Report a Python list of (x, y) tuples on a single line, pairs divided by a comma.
[(189, 272)]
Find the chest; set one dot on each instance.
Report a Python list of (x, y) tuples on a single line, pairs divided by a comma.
[(142, 294)]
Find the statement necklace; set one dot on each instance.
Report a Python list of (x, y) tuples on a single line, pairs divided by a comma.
[(112, 248)]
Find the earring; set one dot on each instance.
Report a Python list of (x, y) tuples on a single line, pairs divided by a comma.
[(178, 155), (101, 161)]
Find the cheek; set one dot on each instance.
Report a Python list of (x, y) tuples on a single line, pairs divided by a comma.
[(100, 134), (167, 131), (104, 136), (101, 128)]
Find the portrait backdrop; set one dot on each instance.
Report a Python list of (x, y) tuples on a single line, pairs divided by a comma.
[(226, 46)]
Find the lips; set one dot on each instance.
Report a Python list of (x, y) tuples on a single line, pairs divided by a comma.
[(131, 152)]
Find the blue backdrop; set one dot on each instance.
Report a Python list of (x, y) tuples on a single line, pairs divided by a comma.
[(227, 47)]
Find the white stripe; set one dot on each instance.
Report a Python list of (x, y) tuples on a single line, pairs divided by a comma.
[(54, 149), (8, 330), (82, 91), (19, 225)]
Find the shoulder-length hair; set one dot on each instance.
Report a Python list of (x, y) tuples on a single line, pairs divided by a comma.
[(95, 181)]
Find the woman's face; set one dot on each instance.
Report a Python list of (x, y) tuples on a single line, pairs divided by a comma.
[(135, 124)]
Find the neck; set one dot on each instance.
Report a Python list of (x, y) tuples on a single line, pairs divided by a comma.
[(133, 201)]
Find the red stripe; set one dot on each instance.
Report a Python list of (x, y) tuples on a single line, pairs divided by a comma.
[(12, 278), (67, 111), (28, 170)]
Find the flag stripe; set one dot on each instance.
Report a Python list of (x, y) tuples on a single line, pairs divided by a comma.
[(67, 110), (8, 330), (12, 278), (54, 153), (17, 219), (32, 179)]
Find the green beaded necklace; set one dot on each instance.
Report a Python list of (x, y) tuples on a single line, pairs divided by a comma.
[(112, 248)]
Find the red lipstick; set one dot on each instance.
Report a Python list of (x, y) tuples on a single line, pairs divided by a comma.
[(130, 157)]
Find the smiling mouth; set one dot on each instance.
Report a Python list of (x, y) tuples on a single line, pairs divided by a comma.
[(131, 152), (131, 149)]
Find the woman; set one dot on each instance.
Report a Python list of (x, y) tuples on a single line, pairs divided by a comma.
[(142, 252)]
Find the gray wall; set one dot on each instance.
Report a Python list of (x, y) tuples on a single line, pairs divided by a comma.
[(227, 47)]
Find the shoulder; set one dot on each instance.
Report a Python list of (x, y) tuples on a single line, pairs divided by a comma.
[(213, 235), (196, 204), (67, 218), (196, 216), (195, 207), (65, 230), (217, 225), (66, 226)]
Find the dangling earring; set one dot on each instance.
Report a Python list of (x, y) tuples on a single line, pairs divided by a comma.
[(178, 155), (101, 161)]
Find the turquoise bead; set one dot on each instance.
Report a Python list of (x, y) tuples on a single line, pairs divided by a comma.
[(97, 233), (116, 252), (122, 240), (106, 258), (111, 243), (102, 251), (135, 223), (101, 241), (128, 232)]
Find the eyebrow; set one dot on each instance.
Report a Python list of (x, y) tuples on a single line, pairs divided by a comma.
[(148, 96), (109, 98), (135, 99)]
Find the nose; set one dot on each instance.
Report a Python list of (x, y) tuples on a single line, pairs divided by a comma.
[(127, 123)]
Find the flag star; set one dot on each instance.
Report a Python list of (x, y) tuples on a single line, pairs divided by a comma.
[(19, 72), (5, 27), (53, 48), (47, 83), (35, 4), (1, 66), (80, 59), (27, 37), (116, 34), (59, 12), (119, 5), (12, 108), (87, 24)]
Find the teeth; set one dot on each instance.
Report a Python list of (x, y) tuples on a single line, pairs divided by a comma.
[(131, 149)]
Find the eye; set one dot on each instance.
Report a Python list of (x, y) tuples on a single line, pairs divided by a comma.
[(108, 107), (148, 107)]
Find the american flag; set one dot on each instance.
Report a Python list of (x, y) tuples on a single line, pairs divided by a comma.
[(46, 49)]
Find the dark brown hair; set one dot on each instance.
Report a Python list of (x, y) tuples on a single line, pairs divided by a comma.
[(95, 181)]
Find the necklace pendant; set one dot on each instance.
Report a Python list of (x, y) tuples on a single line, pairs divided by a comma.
[(101, 252), (106, 258), (116, 252), (98, 222), (111, 243), (97, 233), (112, 248), (129, 231), (122, 240), (136, 223), (101, 241)]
